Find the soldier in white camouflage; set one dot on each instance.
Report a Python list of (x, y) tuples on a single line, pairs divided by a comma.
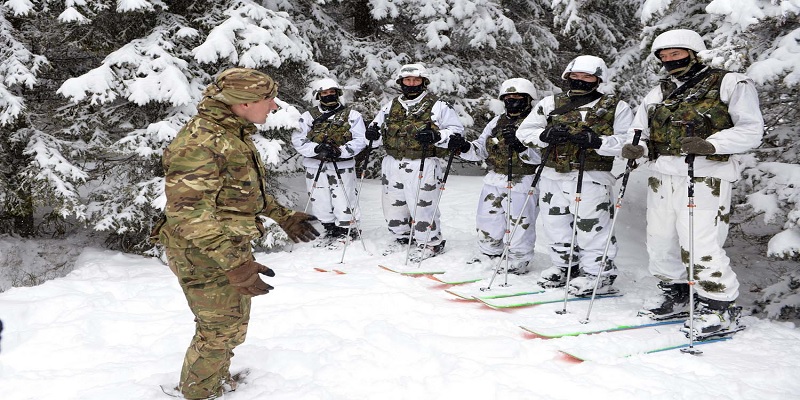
[(498, 146), (714, 116), (414, 125), (216, 191), (580, 119), (331, 134)]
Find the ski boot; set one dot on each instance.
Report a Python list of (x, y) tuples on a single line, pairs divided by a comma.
[(556, 277), (518, 267), (714, 318), (583, 285), (673, 302), (398, 245), (428, 251)]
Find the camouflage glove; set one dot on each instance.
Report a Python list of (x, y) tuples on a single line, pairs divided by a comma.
[(632, 151), (328, 152), (298, 228), (509, 133), (372, 132), (428, 136), (555, 134), (696, 145), (458, 143), (586, 139), (246, 281)]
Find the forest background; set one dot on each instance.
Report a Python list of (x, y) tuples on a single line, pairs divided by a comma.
[(92, 90)]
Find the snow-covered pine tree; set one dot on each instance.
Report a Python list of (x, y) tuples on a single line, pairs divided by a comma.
[(38, 177)]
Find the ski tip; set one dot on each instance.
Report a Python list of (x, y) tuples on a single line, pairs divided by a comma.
[(568, 358), (530, 334)]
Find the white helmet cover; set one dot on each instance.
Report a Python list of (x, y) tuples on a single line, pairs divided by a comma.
[(678, 39), (413, 70), (325, 84), (517, 86), (589, 65)]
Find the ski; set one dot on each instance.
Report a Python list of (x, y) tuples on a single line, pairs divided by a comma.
[(414, 271), (498, 292), (336, 271), (544, 297), (634, 342), (450, 280), (593, 327)]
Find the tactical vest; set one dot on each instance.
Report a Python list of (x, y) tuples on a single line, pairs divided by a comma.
[(401, 128), (334, 130), (699, 106), (600, 117), (499, 152)]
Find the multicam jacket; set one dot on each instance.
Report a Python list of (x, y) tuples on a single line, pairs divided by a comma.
[(215, 186), (698, 109), (599, 117)]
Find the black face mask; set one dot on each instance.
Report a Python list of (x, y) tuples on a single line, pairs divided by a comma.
[(516, 107), (412, 92), (677, 67), (579, 87), (329, 101)]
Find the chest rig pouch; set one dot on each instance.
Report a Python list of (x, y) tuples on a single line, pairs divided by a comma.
[(499, 152), (600, 118), (401, 128), (698, 106)]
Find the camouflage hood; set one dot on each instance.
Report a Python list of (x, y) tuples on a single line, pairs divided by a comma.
[(241, 85)]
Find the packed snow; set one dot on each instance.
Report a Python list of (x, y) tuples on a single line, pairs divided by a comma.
[(117, 327)]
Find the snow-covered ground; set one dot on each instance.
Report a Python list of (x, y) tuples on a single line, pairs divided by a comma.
[(118, 325)]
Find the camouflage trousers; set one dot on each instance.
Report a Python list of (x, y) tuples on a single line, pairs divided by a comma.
[(399, 179), (221, 317), (668, 233), (557, 211), (492, 219), (330, 202)]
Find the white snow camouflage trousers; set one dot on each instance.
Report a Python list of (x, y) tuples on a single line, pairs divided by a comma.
[(329, 201), (492, 218), (558, 205), (668, 233), (400, 180)]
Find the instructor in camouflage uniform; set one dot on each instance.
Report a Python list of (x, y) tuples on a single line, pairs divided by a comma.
[(714, 115), (216, 190), (582, 119), (415, 125)]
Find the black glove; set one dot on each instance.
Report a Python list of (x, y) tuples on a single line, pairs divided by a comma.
[(458, 143), (372, 132), (298, 228), (428, 136), (587, 139), (509, 133), (697, 145), (555, 134), (328, 152)]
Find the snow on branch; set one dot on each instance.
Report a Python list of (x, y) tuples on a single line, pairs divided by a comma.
[(18, 67), (263, 36)]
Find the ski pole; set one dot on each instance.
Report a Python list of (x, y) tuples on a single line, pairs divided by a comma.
[(509, 182), (311, 193), (637, 134), (416, 201), (528, 197), (578, 189), (436, 204), (691, 206), (357, 201), (349, 207)]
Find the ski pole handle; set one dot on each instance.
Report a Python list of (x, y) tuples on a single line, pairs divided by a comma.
[(637, 135)]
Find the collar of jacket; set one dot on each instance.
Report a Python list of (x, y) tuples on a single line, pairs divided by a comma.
[(221, 114), (410, 103)]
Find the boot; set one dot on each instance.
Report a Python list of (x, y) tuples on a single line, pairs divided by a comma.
[(673, 302), (584, 285), (555, 277), (714, 318), (518, 267), (427, 251), (330, 229)]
